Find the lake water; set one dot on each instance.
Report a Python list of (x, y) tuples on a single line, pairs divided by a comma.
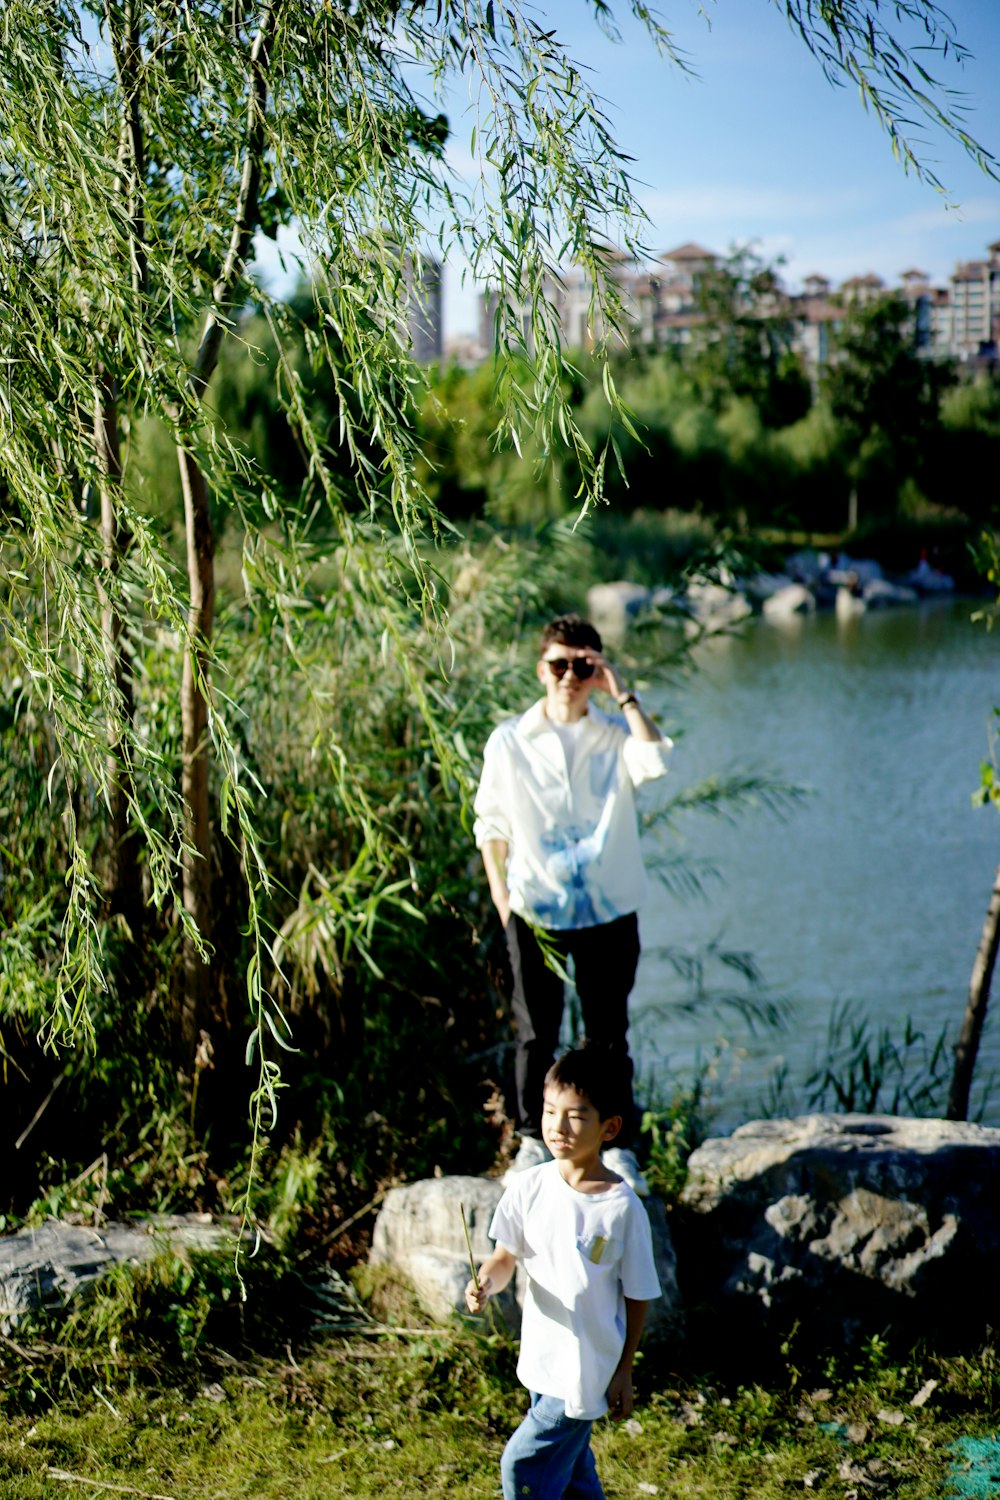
[(873, 889)]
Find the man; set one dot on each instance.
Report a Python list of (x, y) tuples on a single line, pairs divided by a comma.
[(557, 828)]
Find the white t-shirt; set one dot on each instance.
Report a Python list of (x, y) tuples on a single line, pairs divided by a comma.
[(584, 1253), (567, 817), (569, 734)]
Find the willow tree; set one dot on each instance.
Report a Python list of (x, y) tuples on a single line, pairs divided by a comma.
[(145, 146)]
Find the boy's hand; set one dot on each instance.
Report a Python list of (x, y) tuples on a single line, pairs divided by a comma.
[(621, 1399), (494, 1275), (477, 1293)]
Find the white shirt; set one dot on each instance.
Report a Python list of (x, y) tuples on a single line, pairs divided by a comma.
[(584, 1253), (572, 833)]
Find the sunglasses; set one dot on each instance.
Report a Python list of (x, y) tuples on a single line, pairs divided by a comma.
[(559, 666)]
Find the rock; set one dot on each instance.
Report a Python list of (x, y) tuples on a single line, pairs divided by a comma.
[(48, 1265), (809, 567), (419, 1233), (863, 569), (759, 587), (430, 1213), (784, 603), (664, 1316), (878, 593), (612, 605), (929, 581), (716, 606), (668, 601), (850, 1221)]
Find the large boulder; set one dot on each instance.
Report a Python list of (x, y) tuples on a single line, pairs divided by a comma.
[(419, 1233), (611, 606), (48, 1265), (789, 602), (848, 1221), (715, 606), (664, 1316)]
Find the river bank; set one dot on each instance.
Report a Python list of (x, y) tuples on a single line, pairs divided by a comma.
[(427, 1413)]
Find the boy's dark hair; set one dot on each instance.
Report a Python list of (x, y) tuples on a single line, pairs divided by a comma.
[(595, 1072), (571, 630)]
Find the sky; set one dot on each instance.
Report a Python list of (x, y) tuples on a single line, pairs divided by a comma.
[(759, 147), (755, 146)]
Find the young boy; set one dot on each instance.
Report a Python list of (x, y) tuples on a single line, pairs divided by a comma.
[(585, 1241)]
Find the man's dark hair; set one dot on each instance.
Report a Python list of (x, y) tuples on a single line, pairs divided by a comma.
[(597, 1073), (571, 630)]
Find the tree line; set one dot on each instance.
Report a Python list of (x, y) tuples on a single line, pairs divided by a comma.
[(732, 426), (729, 426)]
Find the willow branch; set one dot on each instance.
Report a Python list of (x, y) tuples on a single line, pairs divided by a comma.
[(245, 220), (126, 47)]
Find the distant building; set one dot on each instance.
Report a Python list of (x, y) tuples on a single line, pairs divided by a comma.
[(464, 349), (423, 307), (862, 291), (582, 326), (662, 307), (816, 319), (975, 307), (658, 301), (679, 275), (939, 318), (687, 263)]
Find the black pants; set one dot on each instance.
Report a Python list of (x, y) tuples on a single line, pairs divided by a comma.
[(605, 959)]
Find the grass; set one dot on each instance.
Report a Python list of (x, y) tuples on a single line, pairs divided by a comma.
[(427, 1414)]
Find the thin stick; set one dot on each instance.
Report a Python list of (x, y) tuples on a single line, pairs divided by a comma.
[(342, 1228), (468, 1246), (491, 1310), (17, 1348), (100, 1484), (38, 1113)]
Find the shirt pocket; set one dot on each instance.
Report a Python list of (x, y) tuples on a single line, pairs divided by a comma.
[(600, 1249)]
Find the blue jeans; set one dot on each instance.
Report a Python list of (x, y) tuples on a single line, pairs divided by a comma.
[(549, 1457)]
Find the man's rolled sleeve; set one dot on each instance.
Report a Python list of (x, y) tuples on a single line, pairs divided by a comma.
[(646, 760), (489, 827)]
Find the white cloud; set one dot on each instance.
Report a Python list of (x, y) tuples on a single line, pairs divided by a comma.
[(953, 221), (727, 204)]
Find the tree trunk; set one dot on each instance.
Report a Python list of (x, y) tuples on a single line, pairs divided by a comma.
[(196, 868), (196, 863), (967, 1047), (122, 872)]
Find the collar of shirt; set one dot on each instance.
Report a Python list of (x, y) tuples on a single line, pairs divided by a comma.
[(535, 720)]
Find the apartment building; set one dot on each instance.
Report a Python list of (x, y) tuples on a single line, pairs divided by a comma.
[(662, 308), (658, 301), (424, 298), (817, 316), (975, 306)]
